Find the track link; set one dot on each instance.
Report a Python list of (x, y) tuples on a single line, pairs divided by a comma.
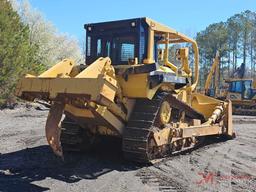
[(73, 137), (244, 110), (144, 122), (139, 128)]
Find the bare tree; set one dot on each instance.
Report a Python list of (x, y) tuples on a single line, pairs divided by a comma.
[(52, 46)]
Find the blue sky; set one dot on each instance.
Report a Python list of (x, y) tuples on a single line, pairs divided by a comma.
[(187, 16)]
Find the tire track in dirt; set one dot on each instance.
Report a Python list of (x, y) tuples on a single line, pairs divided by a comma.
[(158, 181)]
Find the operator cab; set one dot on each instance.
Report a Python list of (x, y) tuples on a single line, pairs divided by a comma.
[(123, 41), (146, 46), (241, 86), (135, 41)]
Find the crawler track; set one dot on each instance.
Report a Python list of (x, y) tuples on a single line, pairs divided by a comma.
[(244, 110), (73, 137), (142, 125)]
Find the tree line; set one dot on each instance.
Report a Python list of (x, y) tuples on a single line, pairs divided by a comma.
[(235, 39), (28, 44)]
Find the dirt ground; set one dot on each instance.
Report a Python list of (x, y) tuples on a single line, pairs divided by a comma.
[(28, 164)]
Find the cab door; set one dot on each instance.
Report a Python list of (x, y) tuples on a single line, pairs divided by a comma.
[(247, 89), (235, 91)]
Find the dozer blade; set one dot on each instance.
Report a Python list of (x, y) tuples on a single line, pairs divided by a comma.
[(94, 83), (52, 128)]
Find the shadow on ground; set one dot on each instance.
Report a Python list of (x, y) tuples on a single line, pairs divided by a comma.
[(19, 169)]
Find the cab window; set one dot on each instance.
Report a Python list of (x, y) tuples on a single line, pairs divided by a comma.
[(99, 49), (236, 86), (127, 51)]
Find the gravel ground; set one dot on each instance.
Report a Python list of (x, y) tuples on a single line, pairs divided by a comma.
[(28, 164)]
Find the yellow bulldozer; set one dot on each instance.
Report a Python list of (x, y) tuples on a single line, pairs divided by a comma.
[(123, 91), (241, 91)]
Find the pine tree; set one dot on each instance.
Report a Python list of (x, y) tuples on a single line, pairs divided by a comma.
[(236, 41)]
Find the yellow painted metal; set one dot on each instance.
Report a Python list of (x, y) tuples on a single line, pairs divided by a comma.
[(103, 89), (183, 56), (204, 104), (183, 96), (167, 134), (150, 56), (61, 69), (165, 113), (56, 86), (80, 85), (110, 119), (137, 86), (163, 136), (166, 54), (217, 114), (79, 112), (202, 130), (228, 121), (52, 128), (165, 69), (97, 115), (214, 70), (196, 68), (242, 105), (98, 67), (175, 37)]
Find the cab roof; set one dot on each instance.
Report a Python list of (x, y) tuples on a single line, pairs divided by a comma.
[(174, 36)]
